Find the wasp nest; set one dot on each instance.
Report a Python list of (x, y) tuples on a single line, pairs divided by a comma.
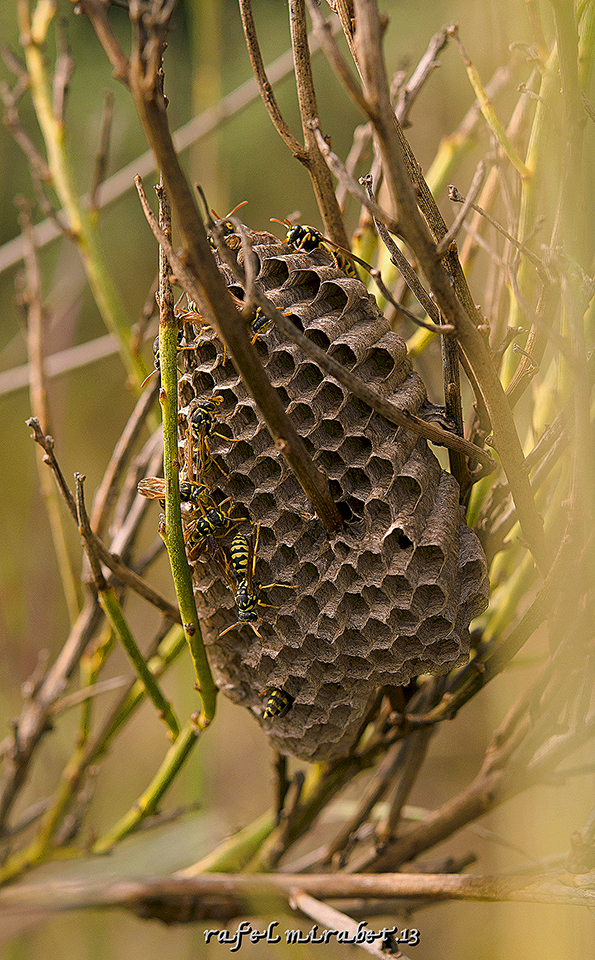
[(392, 594)]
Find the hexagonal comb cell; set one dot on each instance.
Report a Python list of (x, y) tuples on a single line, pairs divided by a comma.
[(392, 594)]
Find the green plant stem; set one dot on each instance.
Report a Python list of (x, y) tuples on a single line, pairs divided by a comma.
[(173, 535), (90, 668), (111, 607), (113, 611), (586, 47), (86, 753), (148, 802), (33, 37), (532, 189), (488, 111), (170, 647), (234, 854)]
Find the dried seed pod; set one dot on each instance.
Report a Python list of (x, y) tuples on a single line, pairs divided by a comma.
[(392, 595)]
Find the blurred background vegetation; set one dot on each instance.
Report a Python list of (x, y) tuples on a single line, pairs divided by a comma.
[(244, 159)]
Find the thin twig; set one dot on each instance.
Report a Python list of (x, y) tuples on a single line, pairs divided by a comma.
[(414, 753), (63, 71), (113, 611), (264, 85), (317, 168), (106, 492), (47, 444), (132, 579), (131, 508), (323, 31), (468, 202), (445, 277), (61, 362), (13, 123), (37, 321), (95, 690), (401, 263), (487, 108), (355, 933), (102, 156), (411, 90), (121, 182), (34, 721)]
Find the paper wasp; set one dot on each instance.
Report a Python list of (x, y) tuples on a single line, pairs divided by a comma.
[(197, 495), (201, 459), (259, 324), (203, 418), (247, 596), (306, 238), (278, 704), (215, 523), (225, 224)]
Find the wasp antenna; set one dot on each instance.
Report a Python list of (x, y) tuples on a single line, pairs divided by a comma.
[(242, 204), (252, 567), (284, 223), (148, 377), (215, 214)]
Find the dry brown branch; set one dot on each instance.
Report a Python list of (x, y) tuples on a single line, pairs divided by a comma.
[(335, 920), (407, 95), (495, 784), (317, 168), (62, 73), (37, 323), (84, 526), (101, 159), (34, 721), (106, 492), (130, 507), (238, 895), (36, 327), (47, 445), (323, 31), (57, 364), (400, 260), (132, 579), (264, 85), (12, 121), (468, 202), (95, 690), (414, 753)]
